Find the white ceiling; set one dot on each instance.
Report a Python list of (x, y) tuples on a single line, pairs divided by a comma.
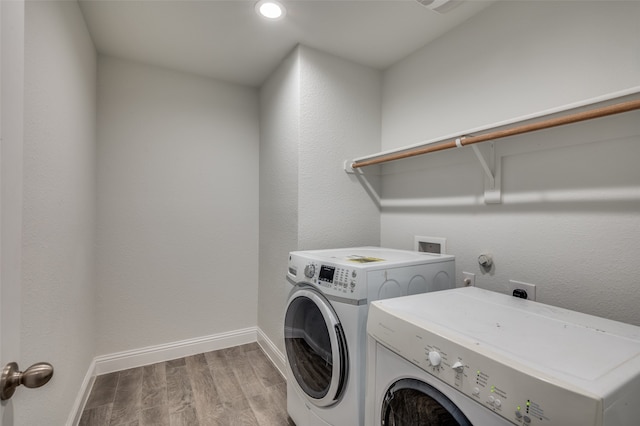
[(227, 40)]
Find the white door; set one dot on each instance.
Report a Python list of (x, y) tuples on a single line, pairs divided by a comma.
[(11, 131)]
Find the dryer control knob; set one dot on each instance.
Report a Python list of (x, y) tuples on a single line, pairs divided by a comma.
[(458, 366), (310, 270), (435, 358)]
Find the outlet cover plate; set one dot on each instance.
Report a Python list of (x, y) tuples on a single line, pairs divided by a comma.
[(471, 277), (529, 288)]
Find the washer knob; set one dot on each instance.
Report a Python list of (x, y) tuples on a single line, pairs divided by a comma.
[(310, 270), (435, 358), (458, 366)]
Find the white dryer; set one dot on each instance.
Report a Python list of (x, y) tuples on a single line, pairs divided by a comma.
[(473, 357), (326, 317)]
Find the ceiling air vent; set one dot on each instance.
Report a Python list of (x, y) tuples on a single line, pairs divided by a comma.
[(440, 6)]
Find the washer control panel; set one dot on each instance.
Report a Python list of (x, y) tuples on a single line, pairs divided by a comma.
[(517, 393)]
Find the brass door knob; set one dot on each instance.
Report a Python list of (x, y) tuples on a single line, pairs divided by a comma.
[(33, 377)]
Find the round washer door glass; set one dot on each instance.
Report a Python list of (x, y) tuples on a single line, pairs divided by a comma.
[(410, 402), (316, 347)]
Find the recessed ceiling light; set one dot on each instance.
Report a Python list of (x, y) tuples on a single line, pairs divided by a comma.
[(270, 9)]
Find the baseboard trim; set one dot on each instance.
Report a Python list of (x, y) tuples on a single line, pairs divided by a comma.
[(83, 395), (272, 351), (152, 354)]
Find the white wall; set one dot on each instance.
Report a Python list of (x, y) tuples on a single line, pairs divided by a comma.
[(340, 107), (316, 111), (177, 206), (58, 294), (514, 58), (569, 219), (279, 139)]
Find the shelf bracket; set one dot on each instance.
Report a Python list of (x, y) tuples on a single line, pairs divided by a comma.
[(347, 167), (369, 185), (492, 169)]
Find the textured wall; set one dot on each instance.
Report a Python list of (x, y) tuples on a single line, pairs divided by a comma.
[(279, 139), (177, 206), (58, 292), (513, 59), (340, 119), (571, 196), (316, 111)]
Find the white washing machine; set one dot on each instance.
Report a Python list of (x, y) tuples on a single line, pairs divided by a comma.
[(473, 357), (326, 317)]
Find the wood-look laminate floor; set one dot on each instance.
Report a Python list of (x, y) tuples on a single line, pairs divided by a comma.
[(234, 386)]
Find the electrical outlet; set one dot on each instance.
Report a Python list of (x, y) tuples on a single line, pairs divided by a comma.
[(469, 279), (530, 289)]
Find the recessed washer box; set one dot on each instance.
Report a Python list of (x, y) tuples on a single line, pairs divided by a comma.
[(436, 245)]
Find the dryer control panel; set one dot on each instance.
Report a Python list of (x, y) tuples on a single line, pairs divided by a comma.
[(360, 275), (336, 280), (340, 279)]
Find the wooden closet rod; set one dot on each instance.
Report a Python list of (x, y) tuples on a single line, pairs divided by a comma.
[(498, 134)]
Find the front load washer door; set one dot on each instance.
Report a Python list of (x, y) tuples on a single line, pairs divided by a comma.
[(411, 402), (316, 346)]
